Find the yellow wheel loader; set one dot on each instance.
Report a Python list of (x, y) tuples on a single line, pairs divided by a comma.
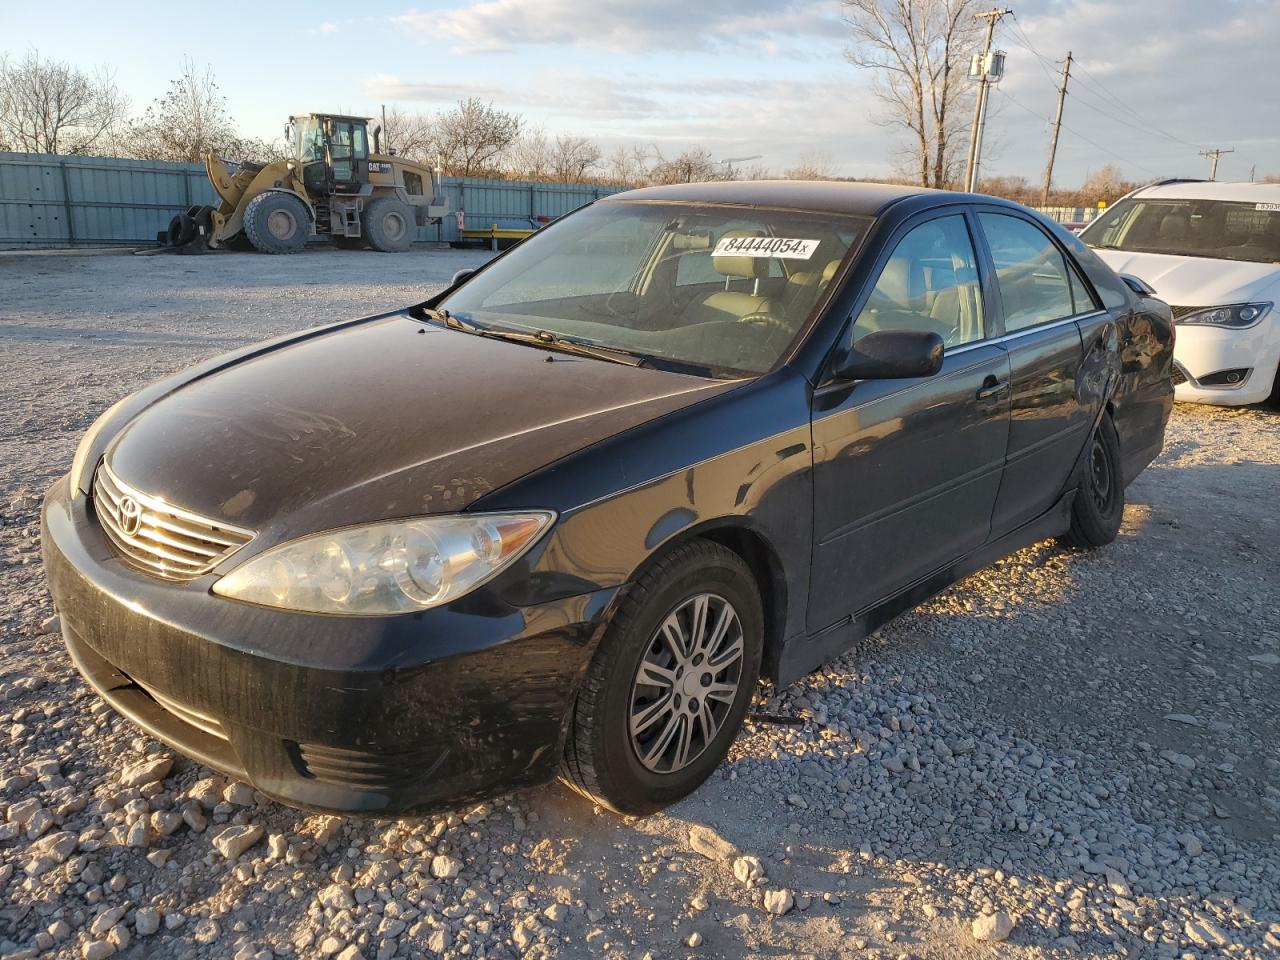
[(332, 186)]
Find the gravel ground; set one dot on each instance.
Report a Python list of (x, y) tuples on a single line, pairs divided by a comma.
[(1065, 755)]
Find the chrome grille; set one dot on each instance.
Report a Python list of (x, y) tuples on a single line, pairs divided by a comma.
[(157, 537), (1180, 312), (1179, 374)]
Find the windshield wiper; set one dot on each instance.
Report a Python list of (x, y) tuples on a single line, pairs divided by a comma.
[(550, 341), (537, 338)]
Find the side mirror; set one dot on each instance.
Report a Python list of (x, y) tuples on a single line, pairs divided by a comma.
[(892, 355), (461, 275), (1138, 285)]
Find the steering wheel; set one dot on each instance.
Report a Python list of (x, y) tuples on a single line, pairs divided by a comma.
[(769, 321)]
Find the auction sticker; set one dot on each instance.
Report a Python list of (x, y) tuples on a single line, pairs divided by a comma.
[(1266, 206), (784, 248)]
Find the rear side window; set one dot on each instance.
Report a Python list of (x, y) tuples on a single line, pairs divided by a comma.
[(1035, 285)]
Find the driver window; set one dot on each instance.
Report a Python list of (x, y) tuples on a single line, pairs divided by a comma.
[(930, 284)]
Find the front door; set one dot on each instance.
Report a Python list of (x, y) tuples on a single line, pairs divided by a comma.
[(906, 471)]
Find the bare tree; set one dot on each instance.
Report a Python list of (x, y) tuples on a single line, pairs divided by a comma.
[(473, 136), (530, 157), (409, 135), (47, 106), (920, 49), (628, 166), (813, 165), (572, 158), (1105, 185), (693, 166), (189, 121)]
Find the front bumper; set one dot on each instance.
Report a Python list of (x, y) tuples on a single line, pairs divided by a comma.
[(1202, 351), (376, 715)]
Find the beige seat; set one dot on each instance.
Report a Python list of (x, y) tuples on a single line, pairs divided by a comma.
[(735, 304)]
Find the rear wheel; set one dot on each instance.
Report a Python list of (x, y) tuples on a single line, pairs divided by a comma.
[(276, 222), (1098, 509), (389, 224), (667, 689)]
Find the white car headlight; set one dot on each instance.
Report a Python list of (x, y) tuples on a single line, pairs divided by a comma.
[(398, 566), (1231, 315)]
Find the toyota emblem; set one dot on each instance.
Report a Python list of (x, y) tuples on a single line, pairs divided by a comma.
[(130, 516)]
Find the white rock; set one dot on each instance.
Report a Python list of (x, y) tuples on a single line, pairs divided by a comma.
[(992, 927), (98, 950), (779, 901), (695, 939), (710, 844), (748, 869), (445, 867), (146, 921), (146, 771), (336, 896), (235, 840), (1266, 659)]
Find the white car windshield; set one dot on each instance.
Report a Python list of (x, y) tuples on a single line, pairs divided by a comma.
[(721, 290), (1218, 229)]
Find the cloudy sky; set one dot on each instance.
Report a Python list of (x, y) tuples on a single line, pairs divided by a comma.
[(1156, 80)]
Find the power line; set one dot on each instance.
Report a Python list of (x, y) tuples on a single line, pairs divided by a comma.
[(1096, 86), (1075, 133)]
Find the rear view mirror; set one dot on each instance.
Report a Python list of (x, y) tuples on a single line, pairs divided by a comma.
[(892, 355)]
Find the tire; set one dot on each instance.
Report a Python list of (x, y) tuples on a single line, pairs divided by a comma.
[(349, 243), (633, 771), (389, 225), (277, 222), (182, 230), (1098, 509)]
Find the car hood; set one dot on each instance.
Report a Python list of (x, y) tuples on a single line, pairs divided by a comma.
[(386, 418), (1196, 281)]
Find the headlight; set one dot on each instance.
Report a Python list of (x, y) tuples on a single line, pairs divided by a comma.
[(1232, 315), (385, 568), (79, 463)]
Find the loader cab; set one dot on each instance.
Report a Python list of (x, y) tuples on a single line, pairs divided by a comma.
[(333, 151)]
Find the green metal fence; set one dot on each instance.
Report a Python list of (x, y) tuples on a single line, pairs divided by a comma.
[(55, 201)]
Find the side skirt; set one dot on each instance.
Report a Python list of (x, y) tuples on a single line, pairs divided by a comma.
[(805, 654)]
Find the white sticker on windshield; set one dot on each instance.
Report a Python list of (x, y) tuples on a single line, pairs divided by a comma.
[(783, 248), (1266, 206)]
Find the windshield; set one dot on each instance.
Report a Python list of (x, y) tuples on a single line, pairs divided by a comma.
[(1218, 229), (723, 290), (307, 139)]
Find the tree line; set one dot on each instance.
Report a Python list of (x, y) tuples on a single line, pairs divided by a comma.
[(917, 48)]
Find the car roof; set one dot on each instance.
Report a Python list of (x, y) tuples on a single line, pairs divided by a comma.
[(828, 196), (1213, 190)]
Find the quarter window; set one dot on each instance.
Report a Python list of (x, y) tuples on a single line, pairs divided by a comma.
[(1035, 286), (930, 284)]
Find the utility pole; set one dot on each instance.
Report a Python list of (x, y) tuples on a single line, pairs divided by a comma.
[(1057, 125), (1213, 156), (992, 16)]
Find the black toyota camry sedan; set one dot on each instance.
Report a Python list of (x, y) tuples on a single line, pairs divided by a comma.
[(561, 517)]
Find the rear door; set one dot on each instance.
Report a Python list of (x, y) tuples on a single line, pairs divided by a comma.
[(1041, 302), (906, 471)]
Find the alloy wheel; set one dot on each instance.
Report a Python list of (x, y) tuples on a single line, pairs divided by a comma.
[(686, 683)]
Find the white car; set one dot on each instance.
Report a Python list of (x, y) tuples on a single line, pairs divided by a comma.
[(1212, 252)]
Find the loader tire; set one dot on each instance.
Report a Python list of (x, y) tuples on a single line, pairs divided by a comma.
[(182, 230), (389, 225), (276, 222)]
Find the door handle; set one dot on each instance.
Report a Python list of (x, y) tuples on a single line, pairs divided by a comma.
[(991, 388)]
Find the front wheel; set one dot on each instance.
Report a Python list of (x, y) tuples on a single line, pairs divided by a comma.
[(1274, 399), (277, 222), (389, 224), (1099, 504), (667, 689)]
